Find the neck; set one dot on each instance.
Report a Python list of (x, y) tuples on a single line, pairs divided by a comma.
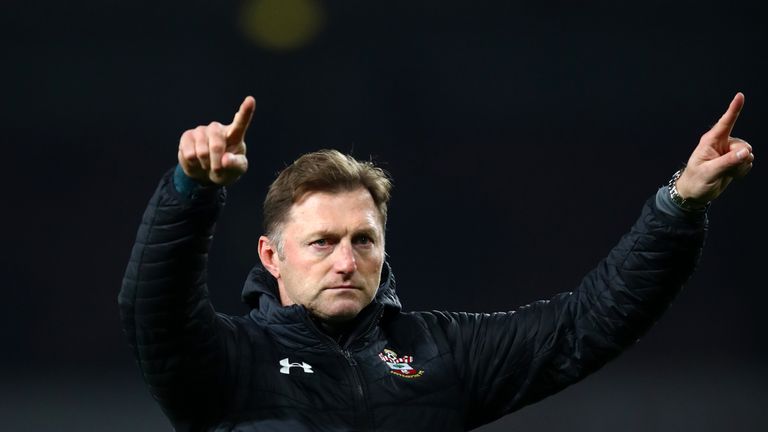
[(341, 331), (338, 331)]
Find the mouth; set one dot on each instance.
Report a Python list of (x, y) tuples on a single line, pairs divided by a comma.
[(342, 287)]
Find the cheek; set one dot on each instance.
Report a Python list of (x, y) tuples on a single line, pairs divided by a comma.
[(307, 277), (376, 259), (370, 266)]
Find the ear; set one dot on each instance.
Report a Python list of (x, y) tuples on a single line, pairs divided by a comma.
[(268, 256)]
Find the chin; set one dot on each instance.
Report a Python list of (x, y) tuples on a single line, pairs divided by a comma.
[(340, 311), (341, 316)]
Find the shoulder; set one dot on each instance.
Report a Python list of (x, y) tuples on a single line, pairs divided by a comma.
[(437, 324)]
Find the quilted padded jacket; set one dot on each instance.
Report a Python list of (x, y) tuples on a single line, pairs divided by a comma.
[(274, 370)]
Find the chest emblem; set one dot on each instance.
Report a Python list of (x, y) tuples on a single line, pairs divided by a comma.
[(400, 366), (286, 365)]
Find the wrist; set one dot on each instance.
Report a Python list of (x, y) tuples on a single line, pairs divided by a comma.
[(680, 195), (185, 185)]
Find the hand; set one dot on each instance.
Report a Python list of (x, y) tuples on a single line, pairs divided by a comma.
[(717, 160), (216, 153)]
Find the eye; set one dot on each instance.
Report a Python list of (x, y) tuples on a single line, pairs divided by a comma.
[(320, 242), (364, 240)]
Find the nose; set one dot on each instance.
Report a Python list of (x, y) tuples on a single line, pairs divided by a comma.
[(345, 259)]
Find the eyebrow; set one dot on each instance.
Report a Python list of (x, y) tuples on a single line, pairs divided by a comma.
[(326, 232)]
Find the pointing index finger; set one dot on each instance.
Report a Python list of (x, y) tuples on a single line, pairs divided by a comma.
[(236, 130), (724, 126)]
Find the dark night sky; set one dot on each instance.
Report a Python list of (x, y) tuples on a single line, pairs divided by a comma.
[(523, 138)]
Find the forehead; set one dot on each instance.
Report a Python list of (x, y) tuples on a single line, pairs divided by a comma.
[(347, 209)]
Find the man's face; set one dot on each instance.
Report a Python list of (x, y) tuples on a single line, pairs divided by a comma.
[(333, 250)]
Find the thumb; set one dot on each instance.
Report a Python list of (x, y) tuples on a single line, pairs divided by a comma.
[(234, 162), (730, 160)]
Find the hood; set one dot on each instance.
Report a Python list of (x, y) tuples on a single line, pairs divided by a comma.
[(260, 290)]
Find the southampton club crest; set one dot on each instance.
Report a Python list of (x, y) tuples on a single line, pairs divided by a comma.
[(400, 366)]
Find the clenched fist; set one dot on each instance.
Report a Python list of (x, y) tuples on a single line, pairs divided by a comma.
[(216, 153)]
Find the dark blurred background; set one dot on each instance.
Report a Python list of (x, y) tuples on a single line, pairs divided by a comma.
[(523, 137)]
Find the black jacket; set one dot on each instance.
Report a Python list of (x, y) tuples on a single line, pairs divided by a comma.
[(273, 369)]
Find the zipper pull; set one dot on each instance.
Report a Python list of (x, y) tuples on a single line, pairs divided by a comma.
[(350, 359)]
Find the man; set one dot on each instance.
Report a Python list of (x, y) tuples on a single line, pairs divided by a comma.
[(327, 347)]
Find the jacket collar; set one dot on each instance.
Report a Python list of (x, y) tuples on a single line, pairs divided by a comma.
[(261, 294)]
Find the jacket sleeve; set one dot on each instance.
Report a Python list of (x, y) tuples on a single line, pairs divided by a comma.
[(179, 342), (511, 359)]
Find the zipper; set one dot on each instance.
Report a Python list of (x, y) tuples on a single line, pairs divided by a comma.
[(366, 415), (358, 381), (374, 321), (361, 401)]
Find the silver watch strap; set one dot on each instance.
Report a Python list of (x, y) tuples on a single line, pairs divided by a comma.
[(685, 204)]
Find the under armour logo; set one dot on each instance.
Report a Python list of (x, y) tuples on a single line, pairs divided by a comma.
[(287, 365)]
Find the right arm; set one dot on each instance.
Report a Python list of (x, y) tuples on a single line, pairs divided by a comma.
[(183, 348)]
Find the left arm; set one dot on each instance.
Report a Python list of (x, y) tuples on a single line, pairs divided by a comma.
[(508, 360)]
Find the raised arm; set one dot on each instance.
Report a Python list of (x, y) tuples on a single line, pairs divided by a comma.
[(512, 359), (183, 348)]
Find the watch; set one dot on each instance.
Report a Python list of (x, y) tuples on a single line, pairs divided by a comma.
[(683, 203)]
